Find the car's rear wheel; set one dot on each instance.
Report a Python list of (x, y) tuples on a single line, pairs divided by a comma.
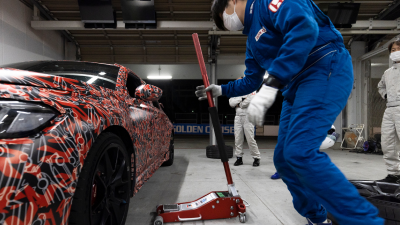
[(103, 191)]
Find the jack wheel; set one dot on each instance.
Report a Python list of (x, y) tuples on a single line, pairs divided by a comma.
[(242, 218), (158, 221)]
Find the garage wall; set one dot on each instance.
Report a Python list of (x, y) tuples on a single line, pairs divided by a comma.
[(378, 71), (187, 71), (19, 42), (230, 66), (379, 65)]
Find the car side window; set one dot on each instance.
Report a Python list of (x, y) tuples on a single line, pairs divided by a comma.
[(132, 83)]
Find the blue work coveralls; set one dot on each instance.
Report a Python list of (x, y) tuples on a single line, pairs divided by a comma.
[(297, 43)]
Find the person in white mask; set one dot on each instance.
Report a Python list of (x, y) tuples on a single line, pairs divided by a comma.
[(388, 88), (232, 21), (244, 127)]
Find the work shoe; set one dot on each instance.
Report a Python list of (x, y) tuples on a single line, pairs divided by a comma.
[(238, 162), (276, 176), (391, 179), (327, 222), (256, 162)]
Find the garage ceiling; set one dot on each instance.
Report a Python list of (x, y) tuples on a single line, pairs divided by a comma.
[(172, 46)]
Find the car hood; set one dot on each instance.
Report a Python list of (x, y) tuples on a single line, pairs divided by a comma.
[(28, 78)]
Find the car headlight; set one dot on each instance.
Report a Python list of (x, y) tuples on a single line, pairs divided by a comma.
[(21, 119)]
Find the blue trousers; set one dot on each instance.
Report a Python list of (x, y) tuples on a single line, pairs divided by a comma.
[(312, 102)]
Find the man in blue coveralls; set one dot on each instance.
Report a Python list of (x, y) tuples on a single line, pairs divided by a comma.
[(304, 54)]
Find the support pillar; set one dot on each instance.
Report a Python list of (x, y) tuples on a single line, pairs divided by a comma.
[(354, 104), (70, 51), (36, 13), (212, 55), (213, 80)]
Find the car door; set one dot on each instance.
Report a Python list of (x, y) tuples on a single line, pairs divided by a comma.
[(144, 117), (162, 132)]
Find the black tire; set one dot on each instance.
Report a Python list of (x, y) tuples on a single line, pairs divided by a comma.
[(213, 152), (104, 187), (388, 207), (170, 161)]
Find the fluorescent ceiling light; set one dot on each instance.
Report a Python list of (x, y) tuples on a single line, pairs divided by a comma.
[(102, 73), (93, 79), (159, 77), (379, 64)]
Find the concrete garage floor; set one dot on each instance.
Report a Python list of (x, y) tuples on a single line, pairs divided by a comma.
[(193, 175)]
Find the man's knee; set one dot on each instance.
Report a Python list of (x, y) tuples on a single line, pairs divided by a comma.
[(295, 156)]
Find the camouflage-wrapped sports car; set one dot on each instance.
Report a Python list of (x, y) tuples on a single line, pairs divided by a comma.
[(77, 140)]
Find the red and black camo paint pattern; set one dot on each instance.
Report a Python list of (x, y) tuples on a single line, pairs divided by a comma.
[(148, 92), (38, 175)]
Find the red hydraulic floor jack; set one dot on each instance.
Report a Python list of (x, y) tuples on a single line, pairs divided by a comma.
[(216, 204)]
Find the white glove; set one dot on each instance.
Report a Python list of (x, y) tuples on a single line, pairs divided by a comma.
[(216, 91), (261, 102)]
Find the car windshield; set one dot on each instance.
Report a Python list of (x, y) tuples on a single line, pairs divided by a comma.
[(92, 73)]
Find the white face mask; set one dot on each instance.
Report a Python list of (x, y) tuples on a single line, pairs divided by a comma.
[(232, 22), (395, 56)]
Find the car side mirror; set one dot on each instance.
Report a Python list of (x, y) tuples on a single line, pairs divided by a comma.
[(148, 92)]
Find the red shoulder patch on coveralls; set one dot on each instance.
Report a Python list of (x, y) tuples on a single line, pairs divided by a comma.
[(261, 32), (274, 5)]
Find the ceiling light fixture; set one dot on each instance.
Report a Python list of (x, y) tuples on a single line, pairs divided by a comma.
[(159, 76), (379, 64)]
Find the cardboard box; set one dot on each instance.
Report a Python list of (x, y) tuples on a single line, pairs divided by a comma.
[(259, 131), (270, 130)]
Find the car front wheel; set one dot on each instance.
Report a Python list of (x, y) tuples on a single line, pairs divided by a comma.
[(103, 191)]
